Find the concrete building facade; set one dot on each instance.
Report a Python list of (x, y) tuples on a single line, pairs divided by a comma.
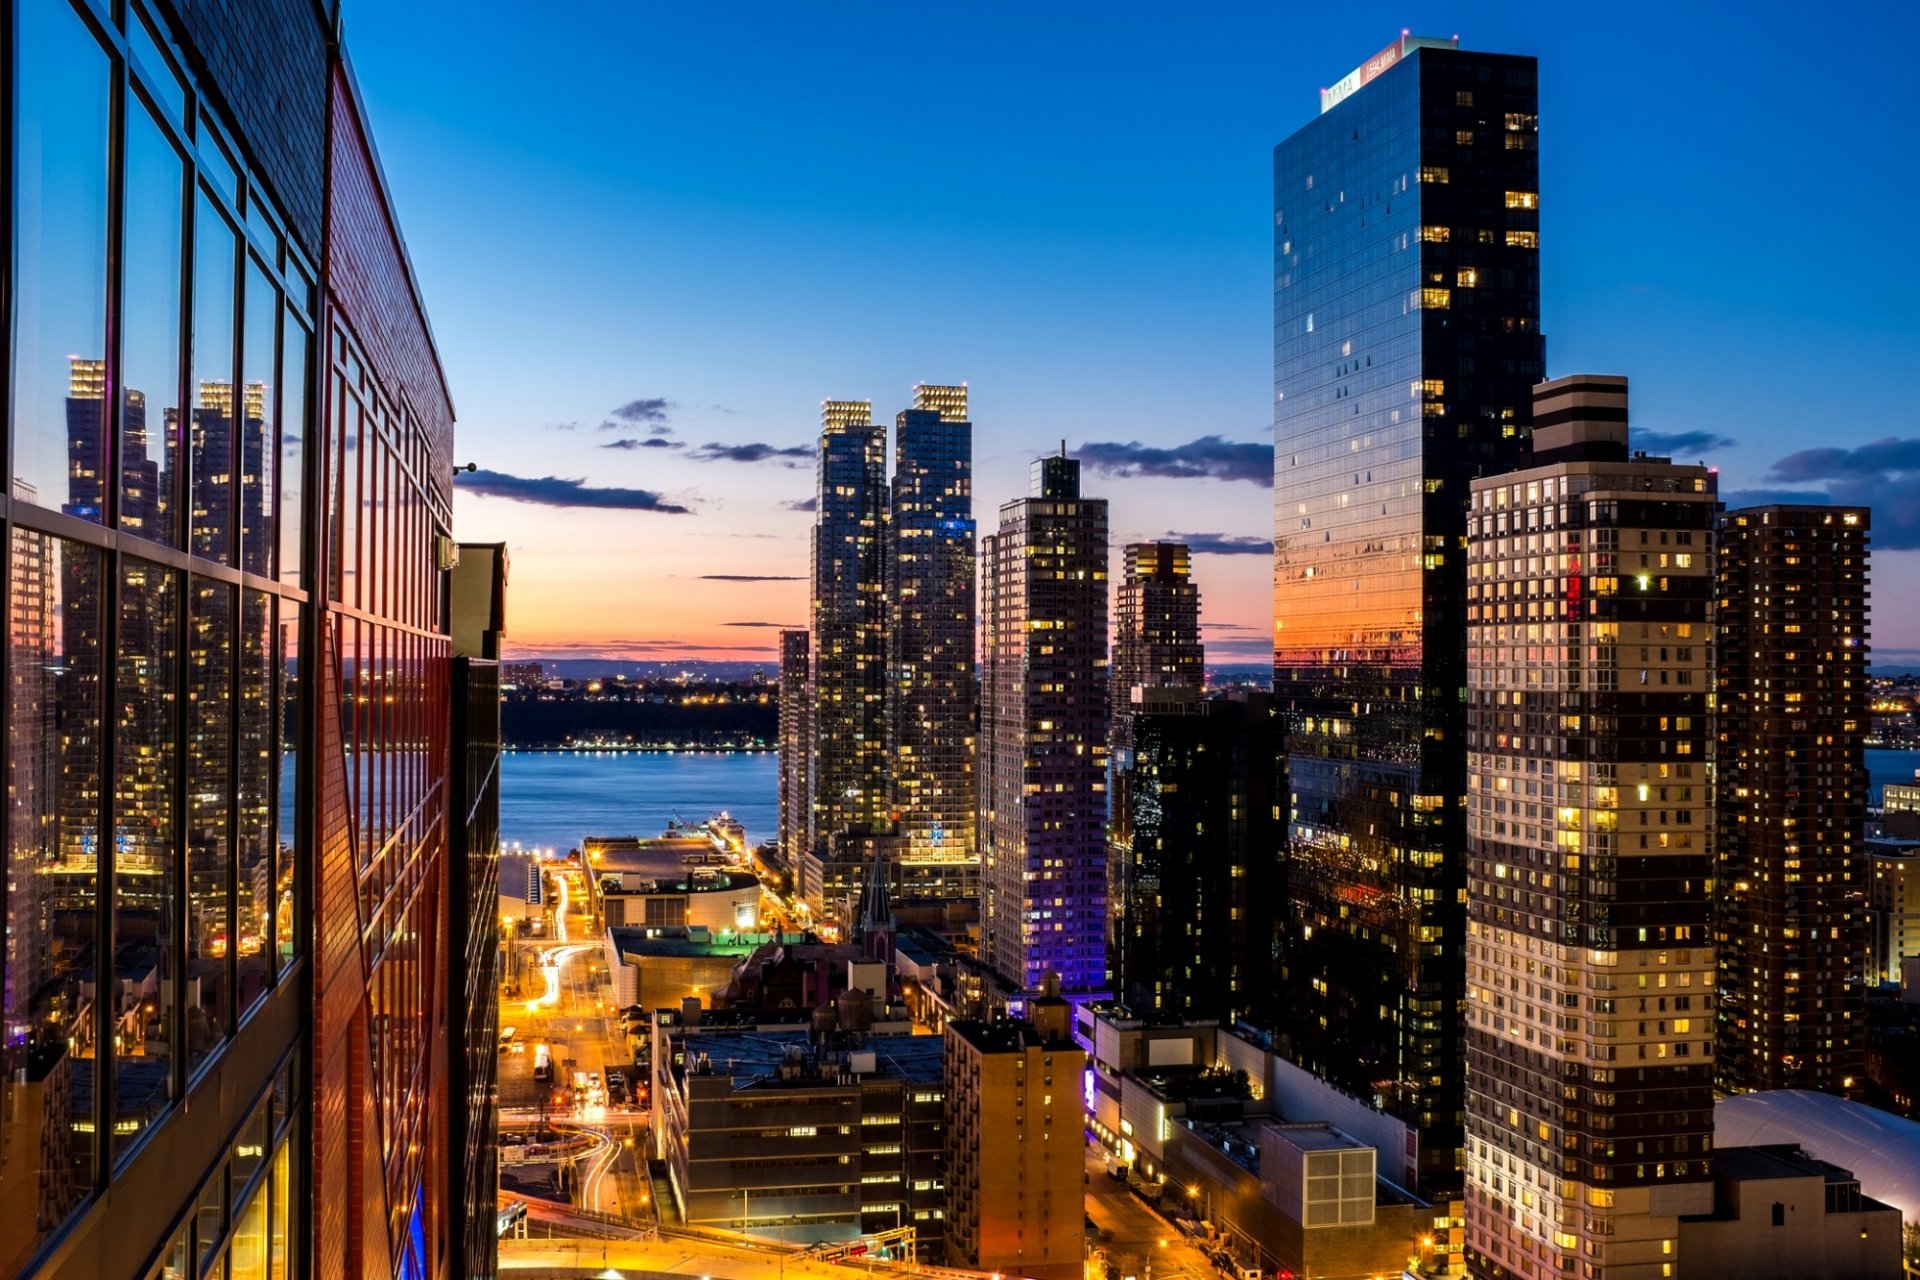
[(1590, 957)]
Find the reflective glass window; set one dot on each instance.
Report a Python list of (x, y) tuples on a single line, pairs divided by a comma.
[(294, 344), (280, 1213), (177, 1262), (60, 261), (150, 294), (247, 1259), (213, 400), (161, 77), (253, 816), (286, 730), (259, 354), (210, 1215), (250, 1148), (53, 745), (145, 889), (210, 726)]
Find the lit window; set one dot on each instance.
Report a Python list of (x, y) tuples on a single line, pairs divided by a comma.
[(1523, 239), (1468, 278), (1436, 235), (1438, 173), (1523, 200), (1436, 299), (1464, 137)]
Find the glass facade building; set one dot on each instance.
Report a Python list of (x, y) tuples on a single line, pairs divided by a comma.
[(227, 729), (1406, 344), (931, 692), (849, 769)]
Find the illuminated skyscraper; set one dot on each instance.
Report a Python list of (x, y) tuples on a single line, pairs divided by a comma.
[(849, 625), (1158, 662), (1406, 345), (931, 697), (1590, 960), (1156, 629), (1043, 733), (1792, 874), (796, 747)]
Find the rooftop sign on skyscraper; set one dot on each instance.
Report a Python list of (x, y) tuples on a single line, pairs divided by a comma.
[(1379, 64)]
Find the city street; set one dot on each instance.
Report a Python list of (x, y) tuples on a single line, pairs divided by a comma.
[(1139, 1241), (563, 1002)]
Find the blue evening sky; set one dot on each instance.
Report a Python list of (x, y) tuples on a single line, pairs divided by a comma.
[(742, 209)]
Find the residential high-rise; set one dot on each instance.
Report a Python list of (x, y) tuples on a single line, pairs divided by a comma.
[(234, 934), (1014, 1197), (1156, 630), (1197, 878), (1792, 873), (849, 768), (1406, 345), (796, 747), (1157, 658), (1590, 960), (931, 695), (1043, 734)]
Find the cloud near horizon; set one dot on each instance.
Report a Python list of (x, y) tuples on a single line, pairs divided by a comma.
[(755, 451), (1224, 544), (1883, 476), (808, 505), (751, 577), (1209, 457), (653, 442), (1676, 443), (651, 409), (556, 491)]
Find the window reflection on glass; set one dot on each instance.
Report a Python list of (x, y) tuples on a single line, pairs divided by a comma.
[(53, 744), (247, 1260), (145, 892), (60, 262), (150, 329), (165, 82), (293, 430), (253, 817), (210, 1215), (210, 724), (213, 398), (250, 1148), (177, 1262), (280, 1213), (259, 384), (286, 725)]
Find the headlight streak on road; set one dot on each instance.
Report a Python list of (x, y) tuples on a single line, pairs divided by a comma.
[(551, 963)]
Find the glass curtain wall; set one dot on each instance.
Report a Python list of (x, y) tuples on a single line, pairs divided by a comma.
[(153, 520)]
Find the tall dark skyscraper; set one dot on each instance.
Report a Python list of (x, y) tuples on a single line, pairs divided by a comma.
[(1198, 876), (1043, 734), (849, 625), (1590, 815), (931, 698), (1792, 874), (1406, 345)]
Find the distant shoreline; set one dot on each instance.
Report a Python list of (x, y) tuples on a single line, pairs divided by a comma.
[(549, 749)]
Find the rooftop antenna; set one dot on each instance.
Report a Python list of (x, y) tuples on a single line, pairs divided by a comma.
[(1063, 447)]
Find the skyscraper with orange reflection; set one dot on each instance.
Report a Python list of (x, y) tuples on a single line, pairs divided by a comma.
[(1406, 343)]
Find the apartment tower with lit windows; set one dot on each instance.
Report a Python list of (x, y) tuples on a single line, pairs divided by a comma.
[(1406, 345), (1590, 959), (796, 746), (1043, 734), (931, 694), (849, 768), (1792, 873)]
